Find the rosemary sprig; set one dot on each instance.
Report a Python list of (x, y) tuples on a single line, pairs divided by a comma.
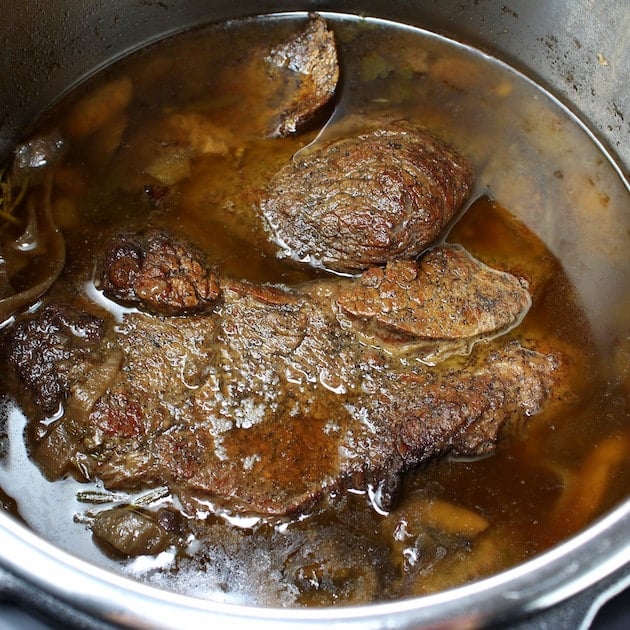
[(9, 204)]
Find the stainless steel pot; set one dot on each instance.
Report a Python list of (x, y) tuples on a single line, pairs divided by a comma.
[(578, 49)]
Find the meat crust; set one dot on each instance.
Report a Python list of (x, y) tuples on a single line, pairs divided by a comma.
[(49, 351), (158, 273), (448, 300), (310, 68), (363, 200)]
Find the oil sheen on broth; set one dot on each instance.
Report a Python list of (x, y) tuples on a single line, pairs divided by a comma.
[(541, 185)]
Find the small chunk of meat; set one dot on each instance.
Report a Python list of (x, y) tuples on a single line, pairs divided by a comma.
[(48, 351), (159, 274), (449, 295), (362, 200), (308, 62)]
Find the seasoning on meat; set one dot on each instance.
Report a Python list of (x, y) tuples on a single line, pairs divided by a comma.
[(366, 199), (438, 305), (48, 351)]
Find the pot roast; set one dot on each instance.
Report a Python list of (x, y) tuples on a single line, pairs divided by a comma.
[(233, 409), (276, 397), (261, 399)]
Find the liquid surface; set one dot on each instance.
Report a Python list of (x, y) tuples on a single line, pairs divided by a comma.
[(545, 200)]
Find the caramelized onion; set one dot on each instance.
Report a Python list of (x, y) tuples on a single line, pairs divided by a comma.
[(45, 236), (130, 532), (57, 448)]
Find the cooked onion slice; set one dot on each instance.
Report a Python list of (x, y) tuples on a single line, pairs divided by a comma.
[(44, 236)]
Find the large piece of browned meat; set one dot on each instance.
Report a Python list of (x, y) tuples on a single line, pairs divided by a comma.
[(278, 397), (368, 198)]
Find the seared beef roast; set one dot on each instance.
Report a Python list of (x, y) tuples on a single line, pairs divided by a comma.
[(439, 307), (363, 200), (281, 396)]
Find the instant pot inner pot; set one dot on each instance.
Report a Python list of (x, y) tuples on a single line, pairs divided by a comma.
[(572, 63)]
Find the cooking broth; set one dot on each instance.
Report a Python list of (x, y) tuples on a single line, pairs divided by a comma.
[(545, 200)]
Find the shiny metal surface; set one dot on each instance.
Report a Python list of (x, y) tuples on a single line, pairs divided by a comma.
[(537, 584), (576, 48)]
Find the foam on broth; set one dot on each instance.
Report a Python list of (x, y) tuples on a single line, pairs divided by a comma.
[(546, 199)]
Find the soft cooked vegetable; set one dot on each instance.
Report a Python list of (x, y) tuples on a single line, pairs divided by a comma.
[(130, 532), (59, 445), (585, 491), (451, 518), (46, 238), (99, 107)]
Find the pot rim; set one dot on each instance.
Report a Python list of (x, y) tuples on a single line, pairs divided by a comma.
[(539, 583)]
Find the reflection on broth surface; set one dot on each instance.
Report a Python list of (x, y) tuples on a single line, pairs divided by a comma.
[(176, 137)]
